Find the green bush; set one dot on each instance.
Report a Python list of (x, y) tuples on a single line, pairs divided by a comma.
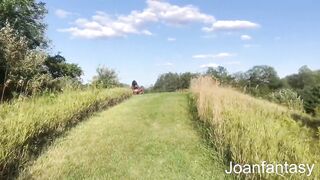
[(106, 78), (311, 98), (287, 97), (21, 69)]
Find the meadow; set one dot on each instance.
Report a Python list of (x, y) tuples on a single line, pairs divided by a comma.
[(146, 137), (56, 122), (152, 135), (27, 124), (248, 130)]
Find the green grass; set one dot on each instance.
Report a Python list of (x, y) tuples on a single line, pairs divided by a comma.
[(23, 124), (147, 137)]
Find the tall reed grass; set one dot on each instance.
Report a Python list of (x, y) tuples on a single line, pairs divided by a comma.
[(246, 130), (24, 123)]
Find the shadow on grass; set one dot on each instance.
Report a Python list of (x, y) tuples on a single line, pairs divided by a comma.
[(206, 132), (35, 145), (308, 121)]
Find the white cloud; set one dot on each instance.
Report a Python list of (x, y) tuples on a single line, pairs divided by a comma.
[(223, 55), (245, 37), (166, 64), (231, 25), (102, 25), (213, 56), (170, 39), (62, 13), (213, 65), (173, 14)]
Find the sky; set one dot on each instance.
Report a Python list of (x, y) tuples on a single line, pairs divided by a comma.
[(142, 39)]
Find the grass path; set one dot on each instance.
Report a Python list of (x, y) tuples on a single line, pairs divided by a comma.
[(146, 137)]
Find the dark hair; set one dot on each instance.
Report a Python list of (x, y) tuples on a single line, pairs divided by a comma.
[(134, 83)]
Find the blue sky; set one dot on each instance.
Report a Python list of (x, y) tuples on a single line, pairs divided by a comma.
[(141, 39)]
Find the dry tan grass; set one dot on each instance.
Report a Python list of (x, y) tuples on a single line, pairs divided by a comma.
[(250, 130)]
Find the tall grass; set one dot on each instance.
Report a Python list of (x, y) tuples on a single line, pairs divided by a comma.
[(24, 123), (248, 130), (288, 98)]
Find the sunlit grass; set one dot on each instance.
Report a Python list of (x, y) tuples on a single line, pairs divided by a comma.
[(23, 123), (147, 137), (249, 130)]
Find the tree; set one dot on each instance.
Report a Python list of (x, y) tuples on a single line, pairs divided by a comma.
[(305, 78), (217, 72), (20, 67), (106, 78), (185, 79), (168, 82), (26, 18), (264, 76), (239, 79), (311, 98), (306, 83), (220, 73), (58, 67)]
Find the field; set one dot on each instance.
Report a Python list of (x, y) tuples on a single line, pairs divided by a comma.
[(181, 135), (146, 137), (159, 89), (247, 130), (26, 125)]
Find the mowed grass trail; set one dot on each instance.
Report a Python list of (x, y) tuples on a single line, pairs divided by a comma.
[(147, 137)]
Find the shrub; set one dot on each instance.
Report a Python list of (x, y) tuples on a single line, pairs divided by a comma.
[(21, 69), (287, 97), (311, 98), (106, 78)]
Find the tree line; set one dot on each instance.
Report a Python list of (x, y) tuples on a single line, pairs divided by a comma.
[(27, 68), (299, 91)]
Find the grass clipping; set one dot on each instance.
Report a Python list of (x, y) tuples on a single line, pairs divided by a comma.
[(246, 130), (25, 123)]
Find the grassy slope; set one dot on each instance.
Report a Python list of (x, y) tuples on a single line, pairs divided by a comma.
[(247, 130), (25, 126), (147, 137)]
